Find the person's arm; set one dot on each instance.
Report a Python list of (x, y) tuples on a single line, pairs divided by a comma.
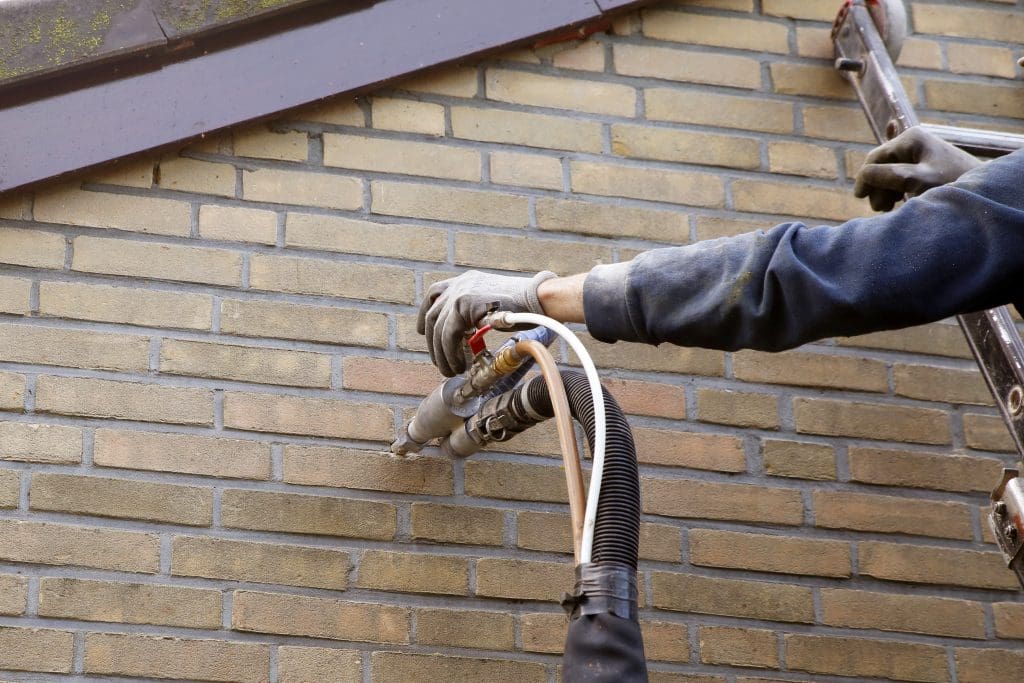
[(955, 249)]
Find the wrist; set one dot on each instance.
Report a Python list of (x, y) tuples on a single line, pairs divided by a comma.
[(561, 298)]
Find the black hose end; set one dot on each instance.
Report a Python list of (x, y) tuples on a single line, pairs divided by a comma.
[(608, 588)]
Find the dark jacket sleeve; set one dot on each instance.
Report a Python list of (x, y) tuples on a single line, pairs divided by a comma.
[(955, 249)]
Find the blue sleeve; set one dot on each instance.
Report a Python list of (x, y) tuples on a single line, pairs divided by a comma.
[(955, 249)]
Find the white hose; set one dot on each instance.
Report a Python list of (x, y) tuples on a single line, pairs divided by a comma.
[(600, 427)]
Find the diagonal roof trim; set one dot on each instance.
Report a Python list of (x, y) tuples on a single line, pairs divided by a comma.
[(55, 125)]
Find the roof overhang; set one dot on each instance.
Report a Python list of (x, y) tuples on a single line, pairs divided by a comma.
[(146, 78)]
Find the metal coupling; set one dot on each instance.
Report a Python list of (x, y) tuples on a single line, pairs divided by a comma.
[(1007, 520)]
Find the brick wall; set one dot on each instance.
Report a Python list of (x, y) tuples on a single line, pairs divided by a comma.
[(203, 358)]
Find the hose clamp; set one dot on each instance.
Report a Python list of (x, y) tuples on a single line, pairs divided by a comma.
[(603, 589)]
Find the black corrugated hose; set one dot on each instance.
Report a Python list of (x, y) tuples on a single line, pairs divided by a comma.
[(604, 643)]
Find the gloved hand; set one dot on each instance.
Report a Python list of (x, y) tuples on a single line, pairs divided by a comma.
[(909, 164), (454, 306)]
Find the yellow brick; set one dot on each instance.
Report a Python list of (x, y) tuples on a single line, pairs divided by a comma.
[(407, 115), (300, 514), (811, 370), (665, 641), (312, 416), (981, 59), (711, 500), (787, 199), (152, 215), (127, 173), (586, 56), (57, 544), (815, 42), (687, 66), (332, 278), (455, 81), (388, 376), (837, 123), (552, 532), (401, 156), (648, 398), (798, 158), (10, 487), (341, 110), (528, 129), (595, 97), (981, 666), (937, 339), (951, 385), (192, 175), (127, 305), (942, 471), (73, 348), (460, 628), (527, 170), (522, 580), (305, 664), (12, 391), (871, 421), (46, 650), (764, 553), (333, 233), (457, 524), (712, 109), (124, 400), (544, 632), (328, 190), (262, 142), (245, 364), (678, 187), (40, 443), (666, 358), (1009, 619), (129, 603), (186, 454), (15, 293), (704, 29), (515, 481), (119, 498), (13, 594), (450, 204), (673, 448), (235, 224), (31, 248), (987, 433), (527, 254), (319, 618), (609, 220), (968, 22), (417, 668), (713, 227), (799, 460), (662, 144), (906, 613), (923, 564), (732, 598), (413, 573), (921, 54), (313, 323), (870, 658), (162, 656), (815, 10), (739, 408), (157, 261), (975, 98), (890, 514), (756, 648), (348, 468), (16, 207), (289, 565), (733, 5)]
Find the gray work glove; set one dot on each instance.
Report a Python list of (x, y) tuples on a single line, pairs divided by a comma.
[(454, 306), (909, 164)]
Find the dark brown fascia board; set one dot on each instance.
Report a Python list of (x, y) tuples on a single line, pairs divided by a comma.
[(60, 132)]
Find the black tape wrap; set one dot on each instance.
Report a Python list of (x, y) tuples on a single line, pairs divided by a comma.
[(603, 589)]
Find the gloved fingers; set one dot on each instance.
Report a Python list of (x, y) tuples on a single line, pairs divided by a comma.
[(435, 290), (907, 147), (450, 358), (431, 327), (894, 177), (884, 200)]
